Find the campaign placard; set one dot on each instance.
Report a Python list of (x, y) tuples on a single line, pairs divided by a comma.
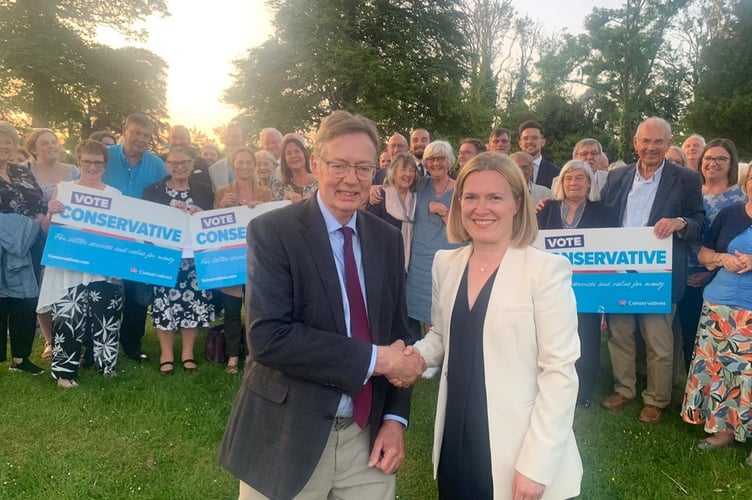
[(114, 235), (219, 244), (615, 270)]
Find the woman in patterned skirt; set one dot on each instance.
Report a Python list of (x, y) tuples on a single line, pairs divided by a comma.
[(85, 307), (719, 385), (183, 307)]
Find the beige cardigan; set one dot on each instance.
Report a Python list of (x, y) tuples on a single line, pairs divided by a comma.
[(530, 346)]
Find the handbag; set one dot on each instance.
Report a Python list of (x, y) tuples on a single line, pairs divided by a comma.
[(215, 345)]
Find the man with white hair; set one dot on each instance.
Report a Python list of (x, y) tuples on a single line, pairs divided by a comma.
[(652, 192)]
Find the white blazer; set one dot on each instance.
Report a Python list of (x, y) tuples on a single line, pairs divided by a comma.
[(530, 346)]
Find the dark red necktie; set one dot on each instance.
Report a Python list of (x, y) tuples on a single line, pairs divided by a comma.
[(358, 325)]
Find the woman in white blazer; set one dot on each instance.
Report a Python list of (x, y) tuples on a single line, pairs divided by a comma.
[(505, 334)]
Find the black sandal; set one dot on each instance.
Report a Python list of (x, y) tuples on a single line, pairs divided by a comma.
[(193, 368), (169, 371)]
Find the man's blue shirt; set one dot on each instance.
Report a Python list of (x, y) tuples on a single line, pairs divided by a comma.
[(131, 180)]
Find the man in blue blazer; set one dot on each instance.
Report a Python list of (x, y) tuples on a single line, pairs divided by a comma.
[(531, 142), (652, 192), (294, 430)]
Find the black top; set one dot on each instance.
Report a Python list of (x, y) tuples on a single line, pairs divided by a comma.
[(730, 222), (596, 215), (379, 210), (201, 194), (465, 463), (23, 195)]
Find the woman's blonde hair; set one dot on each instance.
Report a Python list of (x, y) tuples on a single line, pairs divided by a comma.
[(524, 223)]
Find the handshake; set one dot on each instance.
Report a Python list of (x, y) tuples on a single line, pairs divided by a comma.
[(399, 364)]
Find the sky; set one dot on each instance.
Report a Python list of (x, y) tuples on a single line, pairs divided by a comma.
[(200, 40)]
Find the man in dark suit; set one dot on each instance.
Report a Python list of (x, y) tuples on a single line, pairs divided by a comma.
[(303, 424), (652, 192), (532, 141)]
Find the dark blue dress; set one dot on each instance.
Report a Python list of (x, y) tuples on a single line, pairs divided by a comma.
[(465, 462)]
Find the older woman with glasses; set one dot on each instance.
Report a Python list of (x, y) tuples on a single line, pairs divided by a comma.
[(433, 197), (719, 166), (182, 307), (575, 205)]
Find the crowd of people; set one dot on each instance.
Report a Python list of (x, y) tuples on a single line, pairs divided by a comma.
[(347, 311)]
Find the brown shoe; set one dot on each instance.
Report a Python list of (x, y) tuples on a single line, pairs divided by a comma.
[(616, 402), (650, 414)]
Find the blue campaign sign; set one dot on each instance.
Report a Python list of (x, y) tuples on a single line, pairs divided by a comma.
[(221, 267), (615, 270), (103, 232), (79, 250), (218, 240)]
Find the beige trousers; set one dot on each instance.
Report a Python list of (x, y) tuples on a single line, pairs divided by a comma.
[(342, 472), (659, 344)]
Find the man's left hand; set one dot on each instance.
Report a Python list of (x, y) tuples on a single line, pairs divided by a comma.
[(389, 448), (668, 226)]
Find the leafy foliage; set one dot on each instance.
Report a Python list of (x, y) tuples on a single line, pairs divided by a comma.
[(723, 106), (402, 64), (51, 68), (622, 58)]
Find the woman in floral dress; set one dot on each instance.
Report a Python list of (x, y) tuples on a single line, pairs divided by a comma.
[(183, 307), (719, 385), (298, 183)]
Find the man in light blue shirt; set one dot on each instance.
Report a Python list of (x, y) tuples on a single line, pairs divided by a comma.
[(130, 169)]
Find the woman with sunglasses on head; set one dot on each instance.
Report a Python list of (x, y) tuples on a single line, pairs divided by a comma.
[(243, 190), (49, 171)]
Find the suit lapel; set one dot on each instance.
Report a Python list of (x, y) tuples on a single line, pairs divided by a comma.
[(623, 189), (666, 184), (316, 238)]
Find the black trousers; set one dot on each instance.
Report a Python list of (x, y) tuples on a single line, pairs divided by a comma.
[(232, 325), (19, 317), (135, 303), (589, 330), (688, 310)]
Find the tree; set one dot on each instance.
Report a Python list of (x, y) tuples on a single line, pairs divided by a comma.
[(402, 64), (50, 66), (621, 56), (723, 107)]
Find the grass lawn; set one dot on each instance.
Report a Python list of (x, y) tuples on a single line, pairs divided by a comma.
[(143, 435)]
